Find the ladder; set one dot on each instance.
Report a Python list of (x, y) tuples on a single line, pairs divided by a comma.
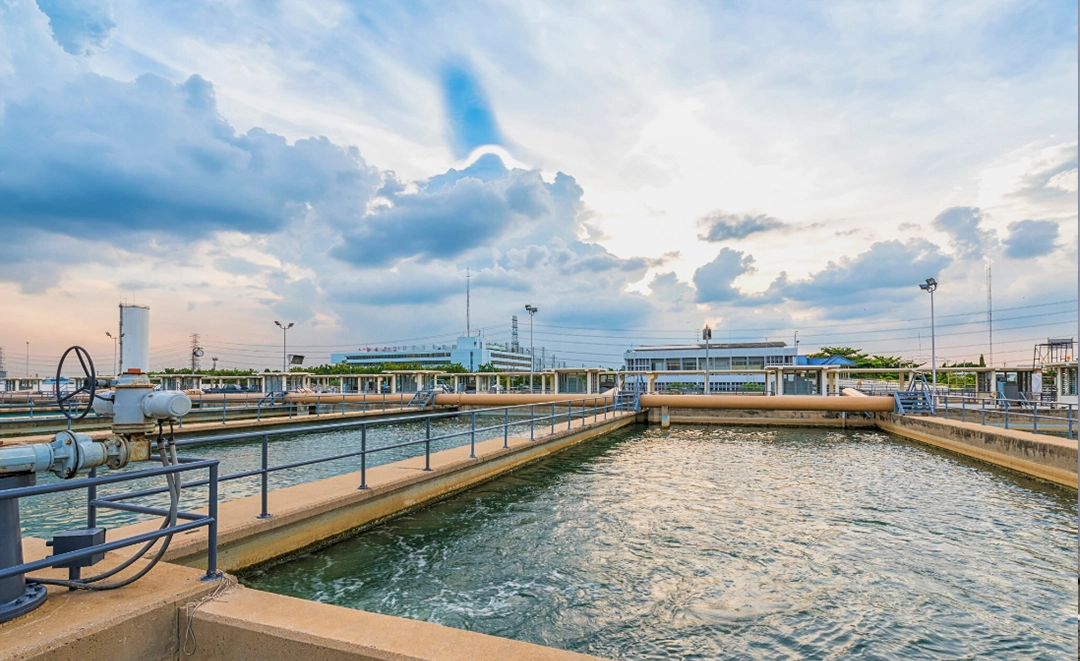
[(422, 399), (628, 400), (916, 399)]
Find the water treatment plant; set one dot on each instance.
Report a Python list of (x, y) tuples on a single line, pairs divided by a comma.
[(612, 514)]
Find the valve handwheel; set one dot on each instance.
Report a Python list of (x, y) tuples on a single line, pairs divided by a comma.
[(67, 402)]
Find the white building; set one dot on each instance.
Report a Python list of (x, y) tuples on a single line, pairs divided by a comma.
[(470, 352), (733, 367)]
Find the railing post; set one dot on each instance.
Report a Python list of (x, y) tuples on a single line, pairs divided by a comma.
[(1070, 413), (91, 496), (532, 422), (427, 447), (983, 411), (1006, 414), (552, 418), (223, 408), (946, 399), (212, 530), (363, 457), (1035, 419), (265, 476), (594, 409), (342, 403), (963, 410), (472, 436), (569, 414), (506, 430)]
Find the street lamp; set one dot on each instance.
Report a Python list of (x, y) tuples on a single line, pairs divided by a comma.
[(706, 334), (284, 335), (930, 286), (531, 309), (114, 339)]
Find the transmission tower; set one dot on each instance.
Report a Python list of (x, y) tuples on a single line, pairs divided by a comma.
[(515, 346), (3, 369), (196, 352)]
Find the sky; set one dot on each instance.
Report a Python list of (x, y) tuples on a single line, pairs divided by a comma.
[(634, 170)]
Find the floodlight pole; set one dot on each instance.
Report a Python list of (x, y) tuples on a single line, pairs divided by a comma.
[(706, 334), (114, 340), (531, 309), (284, 344), (930, 286)]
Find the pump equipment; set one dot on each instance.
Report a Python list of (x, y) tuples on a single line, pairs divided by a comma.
[(136, 409)]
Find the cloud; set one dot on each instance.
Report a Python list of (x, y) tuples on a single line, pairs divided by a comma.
[(469, 116), (103, 157), (453, 213), (962, 224), (713, 280), (1031, 238), (886, 266), (727, 226), (79, 26), (670, 292)]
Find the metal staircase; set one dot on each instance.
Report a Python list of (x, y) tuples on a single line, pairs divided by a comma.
[(422, 399), (628, 400), (918, 398)]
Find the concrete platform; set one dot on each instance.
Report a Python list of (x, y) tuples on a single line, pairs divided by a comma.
[(249, 624)]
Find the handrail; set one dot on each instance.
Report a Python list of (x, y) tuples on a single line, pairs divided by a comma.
[(91, 483)]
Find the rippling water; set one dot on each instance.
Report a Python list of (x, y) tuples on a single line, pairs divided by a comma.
[(711, 543)]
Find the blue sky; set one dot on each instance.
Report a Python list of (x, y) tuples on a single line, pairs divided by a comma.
[(635, 171)]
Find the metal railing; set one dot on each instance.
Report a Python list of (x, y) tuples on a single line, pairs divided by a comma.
[(537, 418), (1035, 416), (540, 419), (191, 520)]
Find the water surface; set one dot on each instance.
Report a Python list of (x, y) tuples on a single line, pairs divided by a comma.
[(713, 543)]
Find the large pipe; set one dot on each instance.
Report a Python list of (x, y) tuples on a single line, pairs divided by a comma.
[(495, 399), (778, 403)]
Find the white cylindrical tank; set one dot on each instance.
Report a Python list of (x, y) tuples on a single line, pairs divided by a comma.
[(134, 338)]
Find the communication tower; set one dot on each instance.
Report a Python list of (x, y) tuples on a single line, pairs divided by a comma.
[(515, 346)]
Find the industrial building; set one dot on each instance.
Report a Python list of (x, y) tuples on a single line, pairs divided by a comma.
[(470, 352)]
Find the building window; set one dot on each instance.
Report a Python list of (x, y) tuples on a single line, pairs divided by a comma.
[(738, 362), (689, 364), (756, 362)]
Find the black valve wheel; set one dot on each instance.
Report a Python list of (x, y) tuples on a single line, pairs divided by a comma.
[(69, 402)]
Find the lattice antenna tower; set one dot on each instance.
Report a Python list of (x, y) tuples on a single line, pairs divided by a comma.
[(515, 346), (3, 369), (196, 352), (990, 314), (468, 303)]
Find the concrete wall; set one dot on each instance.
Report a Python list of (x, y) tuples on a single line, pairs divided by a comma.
[(249, 624), (839, 419), (1044, 457)]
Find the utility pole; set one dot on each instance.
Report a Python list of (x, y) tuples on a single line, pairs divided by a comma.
[(468, 303), (531, 309), (990, 313), (28, 359)]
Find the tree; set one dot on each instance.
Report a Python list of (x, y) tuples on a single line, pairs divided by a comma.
[(982, 361)]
